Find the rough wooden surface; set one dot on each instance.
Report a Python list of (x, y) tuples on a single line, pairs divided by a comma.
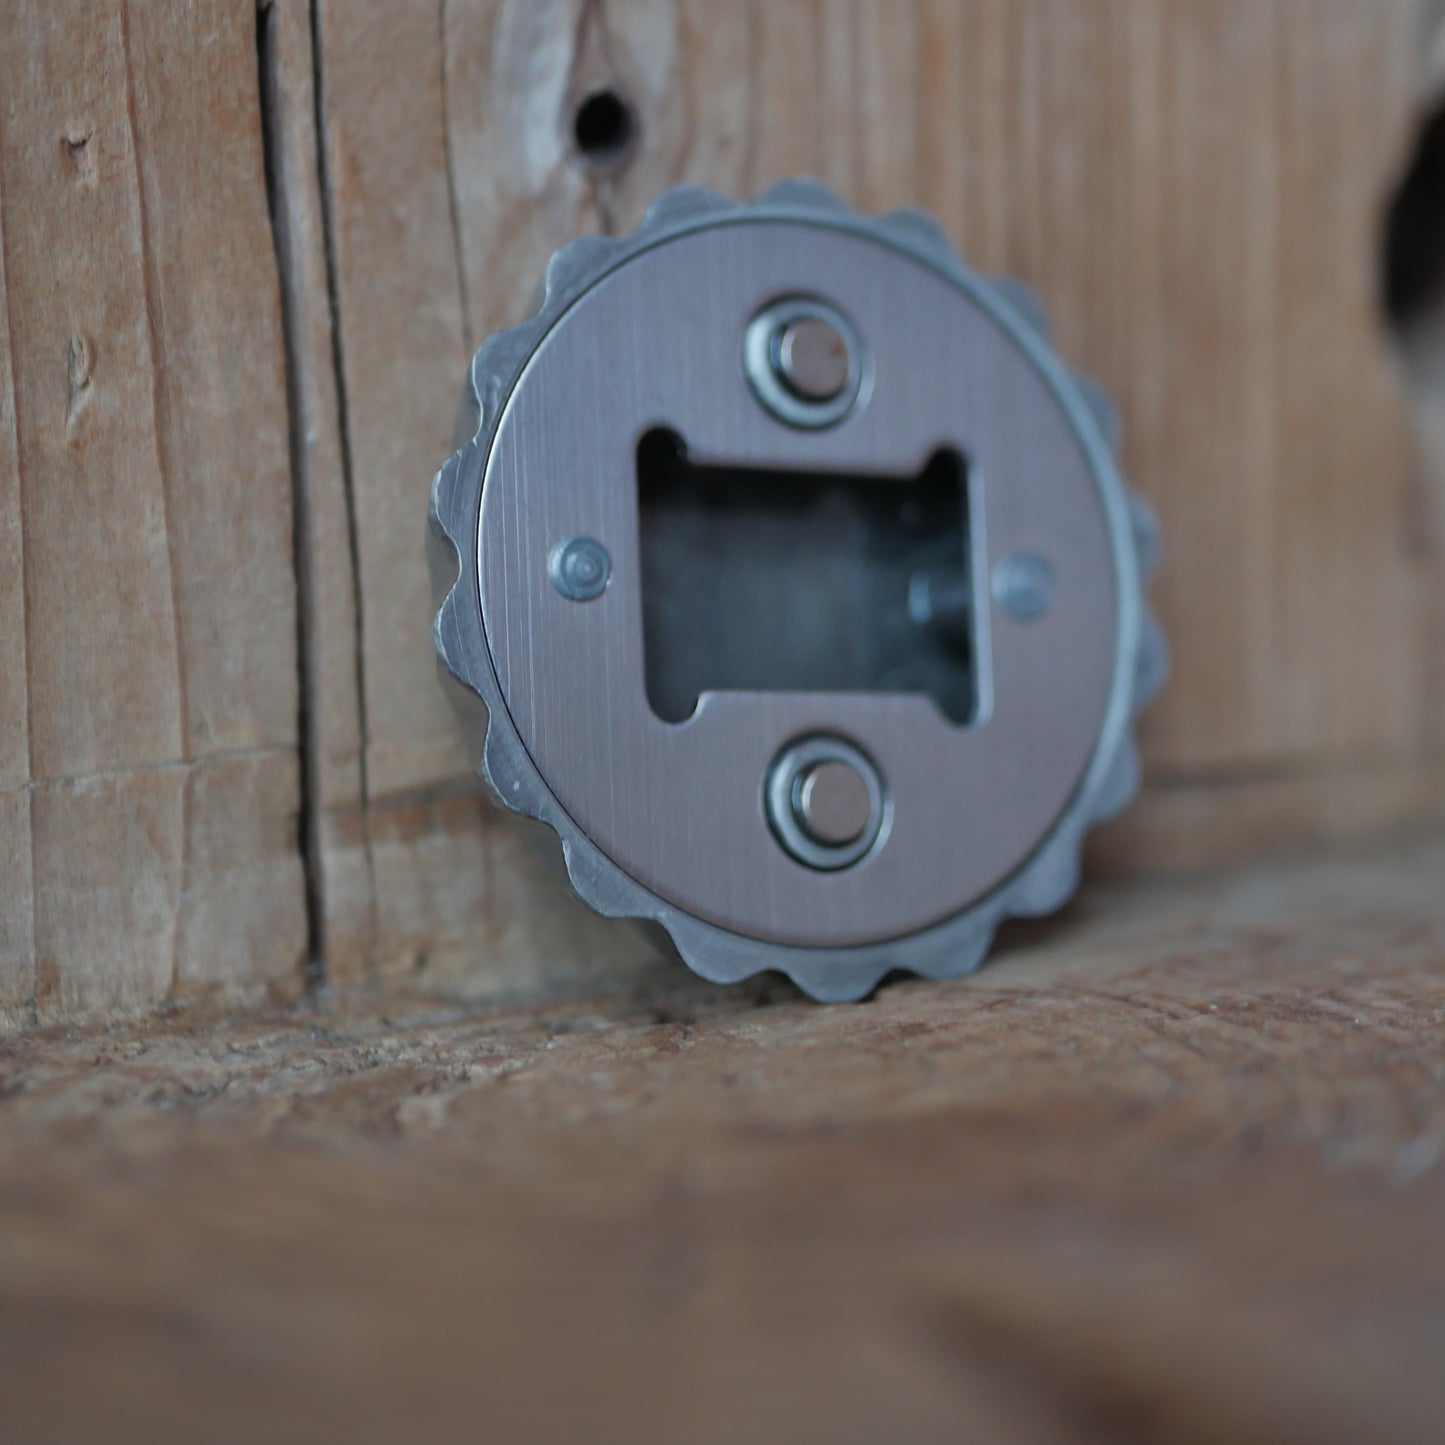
[(244, 254), (1194, 188), (1171, 1171), (148, 765)]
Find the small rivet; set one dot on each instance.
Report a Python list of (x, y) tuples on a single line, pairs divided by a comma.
[(812, 360), (827, 803), (831, 803), (806, 363), (579, 568), (1024, 585)]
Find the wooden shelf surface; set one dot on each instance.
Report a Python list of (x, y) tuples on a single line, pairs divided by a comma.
[(1172, 1168)]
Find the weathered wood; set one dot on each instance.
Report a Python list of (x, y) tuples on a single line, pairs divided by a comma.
[(17, 910), (338, 846), (1194, 189), (17, 903), (1180, 825), (151, 525), (455, 890), (1173, 1172)]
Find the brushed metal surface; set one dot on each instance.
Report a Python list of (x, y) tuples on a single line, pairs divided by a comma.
[(679, 807)]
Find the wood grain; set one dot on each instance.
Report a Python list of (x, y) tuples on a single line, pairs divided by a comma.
[(1194, 188), (245, 253), (155, 662), (17, 900), (1171, 1169), (337, 847), (455, 892), (1171, 1172)]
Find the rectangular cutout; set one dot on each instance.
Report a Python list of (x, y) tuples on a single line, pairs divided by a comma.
[(787, 581)]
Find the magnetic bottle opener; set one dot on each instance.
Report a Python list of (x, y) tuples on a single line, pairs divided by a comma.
[(787, 575)]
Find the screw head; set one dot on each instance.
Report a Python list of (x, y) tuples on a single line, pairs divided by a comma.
[(807, 363), (1024, 585), (831, 803), (579, 568), (826, 803), (812, 358)]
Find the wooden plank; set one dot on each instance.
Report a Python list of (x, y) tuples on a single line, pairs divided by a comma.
[(1190, 186), (14, 709), (1081, 148), (1185, 826), (505, 69), (222, 439), (240, 916), (17, 912), (211, 279), (1174, 1173), (403, 357), (109, 853), (17, 900), (1347, 499), (158, 668), (455, 891), (103, 666)]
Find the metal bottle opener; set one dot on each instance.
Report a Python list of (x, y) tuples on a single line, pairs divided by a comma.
[(787, 575)]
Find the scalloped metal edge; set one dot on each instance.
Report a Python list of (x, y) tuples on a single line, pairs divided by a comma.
[(950, 949)]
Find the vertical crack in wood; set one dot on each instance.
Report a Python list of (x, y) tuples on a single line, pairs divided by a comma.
[(343, 415), (273, 143), (150, 282), (37, 984)]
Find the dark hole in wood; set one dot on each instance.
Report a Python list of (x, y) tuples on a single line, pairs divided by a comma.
[(603, 126)]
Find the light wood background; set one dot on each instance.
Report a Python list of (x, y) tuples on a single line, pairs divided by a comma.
[(244, 256)]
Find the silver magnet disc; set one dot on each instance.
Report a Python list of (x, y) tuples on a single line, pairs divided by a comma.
[(826, 803), (806, 363)]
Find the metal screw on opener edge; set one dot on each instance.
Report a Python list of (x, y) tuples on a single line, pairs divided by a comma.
[(1043, 880), (580, 568)]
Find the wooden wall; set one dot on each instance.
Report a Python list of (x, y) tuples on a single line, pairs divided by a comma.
[(149, 775), (246, 255)]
